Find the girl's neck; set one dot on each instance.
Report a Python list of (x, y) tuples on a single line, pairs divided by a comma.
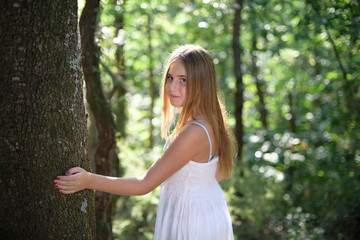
[(197, 117)]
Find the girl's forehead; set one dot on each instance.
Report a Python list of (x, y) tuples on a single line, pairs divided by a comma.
[(177, 66)]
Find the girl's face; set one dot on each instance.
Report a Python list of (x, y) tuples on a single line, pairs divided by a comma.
[(176, 84)]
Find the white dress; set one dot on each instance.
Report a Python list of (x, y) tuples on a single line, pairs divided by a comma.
[(192, 204)]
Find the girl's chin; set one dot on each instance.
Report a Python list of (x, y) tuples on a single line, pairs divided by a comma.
[(176, 104), (179, 106)]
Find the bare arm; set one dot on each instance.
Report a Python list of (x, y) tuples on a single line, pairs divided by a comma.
[(185, 147)]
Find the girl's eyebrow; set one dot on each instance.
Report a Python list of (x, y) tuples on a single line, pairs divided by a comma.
[(180, 75)]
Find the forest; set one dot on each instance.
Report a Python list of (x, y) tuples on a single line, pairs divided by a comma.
[(288, 72), (298, 176)]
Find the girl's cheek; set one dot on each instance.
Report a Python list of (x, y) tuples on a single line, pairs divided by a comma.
[(167, 86)]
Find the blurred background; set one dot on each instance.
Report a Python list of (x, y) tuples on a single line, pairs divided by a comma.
[(288, 71)]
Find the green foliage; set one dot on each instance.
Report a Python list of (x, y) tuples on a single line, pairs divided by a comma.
[(135, 218), (295, 182)]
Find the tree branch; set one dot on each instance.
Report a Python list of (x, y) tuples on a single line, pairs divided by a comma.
[(118, 81)]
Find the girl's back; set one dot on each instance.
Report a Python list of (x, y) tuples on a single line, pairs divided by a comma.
[(192, 204)]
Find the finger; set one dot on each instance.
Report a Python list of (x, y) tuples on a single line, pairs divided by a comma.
[(61, 185), (68, 187), (67, 191), (64, 187), (68, 180), (73, 177), (66, 183), (74, 171)]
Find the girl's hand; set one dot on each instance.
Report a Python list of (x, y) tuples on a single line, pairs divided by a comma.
[(76, 179)]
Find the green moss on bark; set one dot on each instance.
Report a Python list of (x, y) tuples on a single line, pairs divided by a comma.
[(42, 123)]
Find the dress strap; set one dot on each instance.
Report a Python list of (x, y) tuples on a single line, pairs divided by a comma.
[(207, 133)]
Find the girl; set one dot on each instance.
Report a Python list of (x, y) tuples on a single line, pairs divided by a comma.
[(198, 153)]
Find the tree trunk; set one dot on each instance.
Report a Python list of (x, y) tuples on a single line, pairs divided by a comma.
[(100, 108), (239, 94), (121, 89), (255, 71), (42, 122), (151, 80), (292, 119)]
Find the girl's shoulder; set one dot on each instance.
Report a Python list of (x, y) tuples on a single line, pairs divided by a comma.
[(197, 125), (194, 130), (190, 140)]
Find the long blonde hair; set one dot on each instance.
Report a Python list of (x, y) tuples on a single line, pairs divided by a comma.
[(201, 94)]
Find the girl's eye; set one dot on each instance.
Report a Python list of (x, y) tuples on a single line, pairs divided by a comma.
[(169, 77), (183, 80)]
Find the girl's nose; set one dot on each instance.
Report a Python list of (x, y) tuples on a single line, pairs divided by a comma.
[(174, 86)]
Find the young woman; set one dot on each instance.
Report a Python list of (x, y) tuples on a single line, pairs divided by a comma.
[(198, 153)]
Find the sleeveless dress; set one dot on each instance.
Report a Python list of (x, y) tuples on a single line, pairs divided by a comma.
[(192, 204)]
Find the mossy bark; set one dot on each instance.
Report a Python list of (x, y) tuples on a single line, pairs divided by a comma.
[(42, 122)]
